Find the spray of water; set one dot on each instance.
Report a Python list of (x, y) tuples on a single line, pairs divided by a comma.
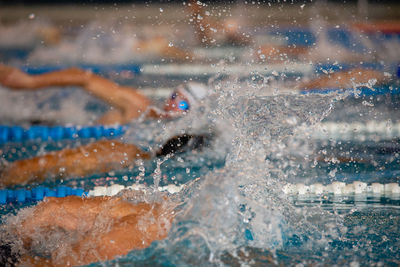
[(242, 204)]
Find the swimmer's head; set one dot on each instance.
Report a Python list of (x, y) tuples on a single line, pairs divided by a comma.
[(185, 97)]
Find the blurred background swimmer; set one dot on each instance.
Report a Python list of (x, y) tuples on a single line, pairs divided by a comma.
[(127, 103), (347, 79), (99, 43), (233, 31), (211, 32), (98, 157)]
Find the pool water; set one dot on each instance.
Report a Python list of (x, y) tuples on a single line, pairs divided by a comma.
[(234, 211), (268, 228)]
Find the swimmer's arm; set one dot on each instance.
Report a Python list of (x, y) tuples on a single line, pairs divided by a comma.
[(344, 79), (73, 212), (135, 226), (135, 231), (206, 28), (176, 53), (276, 52), (98, 157), (202, 23), (130, 102), (67, 213), (14, 78), (162, 47)]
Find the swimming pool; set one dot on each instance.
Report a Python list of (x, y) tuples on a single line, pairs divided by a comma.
[(235, 209), (251, 220)]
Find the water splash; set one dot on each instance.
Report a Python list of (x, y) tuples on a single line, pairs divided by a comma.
[(242, 205)]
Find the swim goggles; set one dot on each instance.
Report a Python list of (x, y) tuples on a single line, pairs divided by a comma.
[(183, 104)]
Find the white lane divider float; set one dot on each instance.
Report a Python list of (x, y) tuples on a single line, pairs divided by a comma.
[(350, 131), (340, 188), (389, 190), (116, 188)]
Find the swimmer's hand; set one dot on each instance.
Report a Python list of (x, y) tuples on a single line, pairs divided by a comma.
[(14, 78), (156, 113)]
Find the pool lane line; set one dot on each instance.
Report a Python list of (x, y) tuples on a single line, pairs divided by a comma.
[(389, 190), (180, 69), (361, 91), (370, 130), (8, 196), (201, 70), (325, 130), (37, 194), (57, 133)]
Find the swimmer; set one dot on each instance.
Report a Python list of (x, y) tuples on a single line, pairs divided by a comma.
[(128, 104), (345, 79), (98, 157), (161, 47), (86, 230), (386, 27), (75, 231), (211, 32)]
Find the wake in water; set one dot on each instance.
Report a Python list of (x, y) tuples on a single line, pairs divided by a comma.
[(53, 106)]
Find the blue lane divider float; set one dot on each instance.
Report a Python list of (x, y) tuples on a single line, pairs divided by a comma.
[(98, 69), (37, 194), (56, 133)]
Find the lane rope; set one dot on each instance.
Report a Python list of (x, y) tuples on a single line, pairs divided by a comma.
[(336, 188), (37, 194), (389, 190), (356, 130), (185, 69), (8, 196), (57, 133)]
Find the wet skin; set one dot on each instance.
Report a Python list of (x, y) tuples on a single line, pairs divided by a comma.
[(344, 79), (99, 157), (127, 103), (107, 227)]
